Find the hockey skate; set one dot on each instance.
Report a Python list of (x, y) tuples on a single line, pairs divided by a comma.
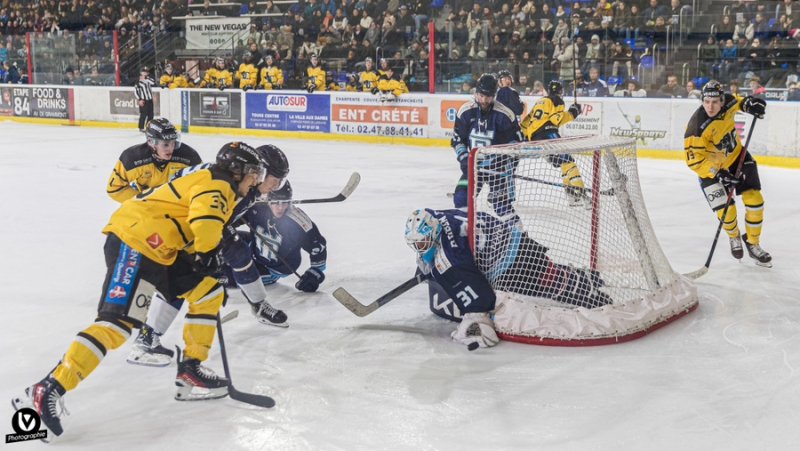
[(46, 398), (736, 248), (198, 383), (761, 257), (577, 197), (267, 314), (147, 349)]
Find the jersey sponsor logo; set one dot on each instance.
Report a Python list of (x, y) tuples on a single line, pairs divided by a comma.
[(287, 103), (716, 196), (155, 240), (117, 292), (441, 262)]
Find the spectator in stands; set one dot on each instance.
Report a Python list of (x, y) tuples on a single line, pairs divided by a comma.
[(692, 91), (756, 90), (733, 87), (561, 30), (675, 11), (637, 22), (672, 88), (622, 60), (754, 56), (790, 9), (622, 24), (725, 29), (760, 28), (710, 57), (594, 87), (658, 32), (594, 53), (632, 89), (728, 59), (793, 95), (653, 12), (538, 89), (743, 29)]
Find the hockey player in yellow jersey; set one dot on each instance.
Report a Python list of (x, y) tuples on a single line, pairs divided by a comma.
[(368, 78), (316, 76), (170, 80), (542, 123), (247, 73), (390, 85), (217, 76), (713, 150), (271, 75), (330, 83), (163, 241), (352, 83), (383, 64), (152, 163)]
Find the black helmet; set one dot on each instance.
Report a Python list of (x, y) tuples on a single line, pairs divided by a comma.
[(277, 164), (712, 89), (241, 159), (555, 87), (162, 129), (487, 85), (504, 73), (283, 194)]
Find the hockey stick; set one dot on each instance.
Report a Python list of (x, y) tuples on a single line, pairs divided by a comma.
[(230, 316), (359, 309), (348, 189), (604, 192), (574, 68), (248, 398), (694, 275)]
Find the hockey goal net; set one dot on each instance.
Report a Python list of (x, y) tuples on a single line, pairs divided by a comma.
[(597, 274)]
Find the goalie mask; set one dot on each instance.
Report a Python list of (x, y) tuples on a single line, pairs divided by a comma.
[(422, 234)]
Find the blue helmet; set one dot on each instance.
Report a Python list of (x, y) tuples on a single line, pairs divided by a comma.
[(422, 234)]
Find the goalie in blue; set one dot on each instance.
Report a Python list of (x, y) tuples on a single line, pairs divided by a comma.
[(484, 122), (516, 264)]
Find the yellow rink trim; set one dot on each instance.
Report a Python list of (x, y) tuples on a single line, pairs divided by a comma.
[(768, 160)]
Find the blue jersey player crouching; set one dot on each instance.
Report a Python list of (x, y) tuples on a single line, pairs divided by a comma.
[(439, 238), (286, 229), (484, 122)]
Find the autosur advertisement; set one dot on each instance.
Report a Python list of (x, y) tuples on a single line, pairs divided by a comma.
[(298, 112), (367, 115)]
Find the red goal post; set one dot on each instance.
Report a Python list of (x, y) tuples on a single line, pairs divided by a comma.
[(607, 233)]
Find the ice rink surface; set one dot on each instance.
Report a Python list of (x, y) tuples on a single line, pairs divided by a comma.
[(721, 378)]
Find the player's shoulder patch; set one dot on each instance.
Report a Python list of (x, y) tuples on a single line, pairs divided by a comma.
[(300, 217), (697, 124), (135, 156), (466, 107), (504, 110), (187, 155)]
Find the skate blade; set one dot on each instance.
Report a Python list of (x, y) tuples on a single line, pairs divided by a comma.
[(764, 264), (269, 323), (147, 359), (193, 393)]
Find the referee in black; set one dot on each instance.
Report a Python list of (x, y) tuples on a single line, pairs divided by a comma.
[(144, 96)]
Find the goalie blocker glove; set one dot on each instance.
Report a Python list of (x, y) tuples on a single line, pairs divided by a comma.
[(310, 280), (755, 106)]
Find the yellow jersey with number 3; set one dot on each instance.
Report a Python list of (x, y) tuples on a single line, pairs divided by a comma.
[(161, 221), (547, 112), (713, 143)]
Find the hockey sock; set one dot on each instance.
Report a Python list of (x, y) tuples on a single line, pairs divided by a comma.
[(88, 349), (162, 313), (245, 274), (730, 224), (200, 324), (753, 215), (571, 174)]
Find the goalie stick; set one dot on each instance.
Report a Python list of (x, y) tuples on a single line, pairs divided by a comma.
[(348, 189), (359, 309), (694, 275), (247, 398), (604, 192)]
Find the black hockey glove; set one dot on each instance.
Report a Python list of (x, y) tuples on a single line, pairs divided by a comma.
[(277, 86), (310, 280), (222, 86), (728, 179), (575, 110), (206, 263), (162, 86), (246, 88), (311, 88), (755, 106), (374, 90)]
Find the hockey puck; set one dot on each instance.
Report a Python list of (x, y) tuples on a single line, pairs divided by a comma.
[(473, 346)]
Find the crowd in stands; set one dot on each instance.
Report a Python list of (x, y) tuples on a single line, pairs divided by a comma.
[(533, 39)]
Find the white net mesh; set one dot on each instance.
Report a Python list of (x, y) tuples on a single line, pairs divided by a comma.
[(562, 232)]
